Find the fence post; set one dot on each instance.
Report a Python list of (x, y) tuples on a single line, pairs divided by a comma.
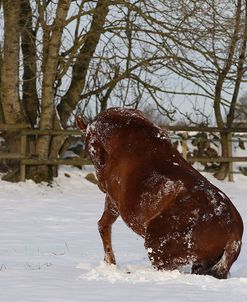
[(184, 145), (23, 155), (230, 163)]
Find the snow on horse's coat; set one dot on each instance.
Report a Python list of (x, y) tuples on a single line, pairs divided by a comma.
[(183, 218)]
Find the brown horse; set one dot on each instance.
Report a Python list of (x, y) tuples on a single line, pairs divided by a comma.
[(183, 218)]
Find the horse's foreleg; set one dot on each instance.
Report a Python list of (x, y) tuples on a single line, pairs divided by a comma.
[(105, 225)]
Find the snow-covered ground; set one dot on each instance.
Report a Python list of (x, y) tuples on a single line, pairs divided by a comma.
[(51, 250)]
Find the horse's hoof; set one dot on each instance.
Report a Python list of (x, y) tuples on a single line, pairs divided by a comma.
[(110, 261)]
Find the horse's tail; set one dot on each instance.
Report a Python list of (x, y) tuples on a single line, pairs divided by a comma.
[(221, 268)]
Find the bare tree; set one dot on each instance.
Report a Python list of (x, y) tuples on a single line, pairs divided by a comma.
[(210, 52), (62, 56)]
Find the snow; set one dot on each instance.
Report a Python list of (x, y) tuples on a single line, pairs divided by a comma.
[(51, 250)]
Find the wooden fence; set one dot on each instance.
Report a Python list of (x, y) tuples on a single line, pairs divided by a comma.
[(229, 132), (26, 159)]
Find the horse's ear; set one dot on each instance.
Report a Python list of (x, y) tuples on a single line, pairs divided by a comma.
[(80, 123)]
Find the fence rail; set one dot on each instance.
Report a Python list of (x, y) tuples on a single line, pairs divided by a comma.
[(26, 159), (228, 131), (206, 129)]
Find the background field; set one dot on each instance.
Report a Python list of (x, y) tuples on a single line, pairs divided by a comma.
[(51, 251)]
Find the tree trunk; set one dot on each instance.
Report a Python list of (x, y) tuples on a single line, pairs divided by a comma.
[(1, 107), (222, 173), (80, 69), (11, 107), (10, 67), (224, 167), (43, 173), (240, 72), (70, 100), (28, 46)]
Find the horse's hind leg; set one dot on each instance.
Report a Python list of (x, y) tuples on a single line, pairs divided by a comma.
[(105, 225), (220, 268)]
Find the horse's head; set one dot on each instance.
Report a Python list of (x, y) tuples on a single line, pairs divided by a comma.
[(94, 148)]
